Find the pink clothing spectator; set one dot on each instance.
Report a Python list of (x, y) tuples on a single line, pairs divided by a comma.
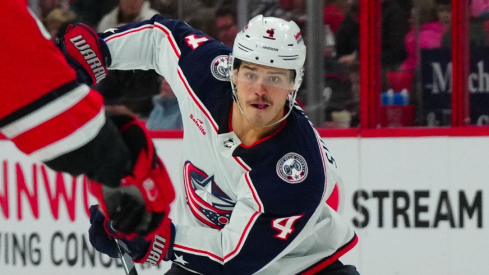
[(333, 16), (479, 6), (430, 36)]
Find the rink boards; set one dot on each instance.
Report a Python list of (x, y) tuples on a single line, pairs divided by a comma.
[(417, 204)]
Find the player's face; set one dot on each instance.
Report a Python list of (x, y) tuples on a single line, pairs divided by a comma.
[(262, 92)]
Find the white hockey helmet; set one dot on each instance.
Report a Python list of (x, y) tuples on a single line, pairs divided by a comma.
[(272, 42)]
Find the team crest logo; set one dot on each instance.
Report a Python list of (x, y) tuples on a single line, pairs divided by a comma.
[(292, 168), (219, 67), (206, 200)]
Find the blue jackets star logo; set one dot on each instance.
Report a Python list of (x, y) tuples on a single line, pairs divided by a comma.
[(206, 200)]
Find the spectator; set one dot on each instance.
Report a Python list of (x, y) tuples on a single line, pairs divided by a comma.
[(444, 12), (395, 26), (203, 20), (341, 93), (56, 19), (265, 7), (333, 15), (168, 8), (226, 25), (127, 11), (176, 9), (430, 33), (166, 112), (477, 34), (128, 92), (90, 12), (285, 9), (480, 8), (46, 6), (406, 6), (348, 36)]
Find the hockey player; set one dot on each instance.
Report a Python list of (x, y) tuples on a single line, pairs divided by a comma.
[(255, 173), (61, 122)]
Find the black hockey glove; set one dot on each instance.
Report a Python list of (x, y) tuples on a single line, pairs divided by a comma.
[(150, 249)]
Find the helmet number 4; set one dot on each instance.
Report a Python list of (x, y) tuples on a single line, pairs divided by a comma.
[(285, 226)]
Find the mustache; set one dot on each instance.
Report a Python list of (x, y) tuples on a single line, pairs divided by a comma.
[(261, 100)]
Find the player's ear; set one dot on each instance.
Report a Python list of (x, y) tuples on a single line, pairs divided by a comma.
[(235, 76)]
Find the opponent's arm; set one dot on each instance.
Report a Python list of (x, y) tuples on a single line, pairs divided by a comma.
[(143, 198), (45, 112), (56, 120)]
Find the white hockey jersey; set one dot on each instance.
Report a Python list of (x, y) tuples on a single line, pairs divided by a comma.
[(256, 209)]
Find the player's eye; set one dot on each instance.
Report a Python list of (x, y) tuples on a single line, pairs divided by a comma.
[(251, 77), (274, 79)]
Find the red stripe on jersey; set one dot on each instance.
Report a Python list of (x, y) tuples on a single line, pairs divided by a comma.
[(177, 53), (197, 102), (282, 125), (331, 259), (128, 32), (322, 154), (61, 125), (170, 39), (241, 239), (253, 191), (242, 164), (232, 253)]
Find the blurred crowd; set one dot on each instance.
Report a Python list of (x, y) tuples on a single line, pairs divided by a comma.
[(142, 93), (407, 27)]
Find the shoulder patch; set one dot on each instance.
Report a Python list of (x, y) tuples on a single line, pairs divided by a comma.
[(219, 67), (292, 168)]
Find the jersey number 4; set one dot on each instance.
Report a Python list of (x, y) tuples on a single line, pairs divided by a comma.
[(285, 226), (193, 41)]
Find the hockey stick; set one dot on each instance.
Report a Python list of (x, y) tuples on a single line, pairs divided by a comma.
[(126, 260)]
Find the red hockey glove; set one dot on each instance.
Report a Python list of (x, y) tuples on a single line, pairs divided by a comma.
[(86, 53), (143, 199)]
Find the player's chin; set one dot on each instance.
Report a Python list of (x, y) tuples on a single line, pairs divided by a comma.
[(262, 121)]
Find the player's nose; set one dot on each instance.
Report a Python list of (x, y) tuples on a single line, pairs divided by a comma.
[(259, 88)]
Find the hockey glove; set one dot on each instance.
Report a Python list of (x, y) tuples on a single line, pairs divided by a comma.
[(97, 235), (86, 53), (143, 198), (150, 249)]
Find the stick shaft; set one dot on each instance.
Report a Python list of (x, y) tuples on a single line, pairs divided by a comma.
[(126, 260)]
